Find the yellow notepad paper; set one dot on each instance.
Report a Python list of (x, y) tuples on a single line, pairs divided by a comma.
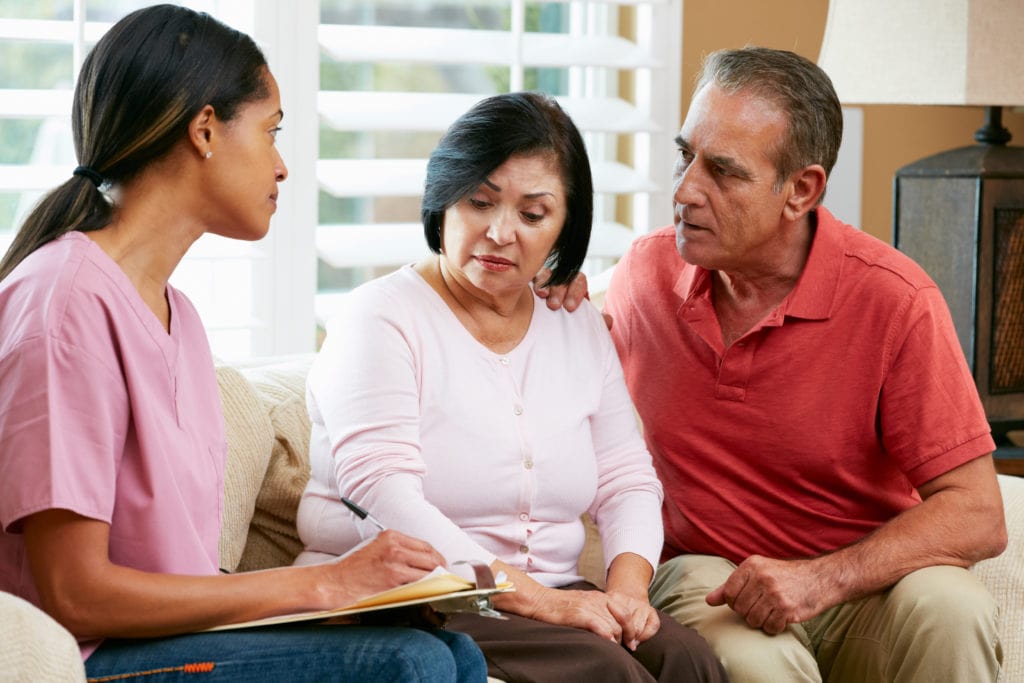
[(442, 589)]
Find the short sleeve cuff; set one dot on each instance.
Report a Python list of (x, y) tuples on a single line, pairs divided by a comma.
[(951, 459)]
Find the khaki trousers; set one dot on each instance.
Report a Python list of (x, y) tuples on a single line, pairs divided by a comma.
[(936, 624)]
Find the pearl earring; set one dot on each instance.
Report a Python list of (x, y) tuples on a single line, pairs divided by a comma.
[(209, 154)]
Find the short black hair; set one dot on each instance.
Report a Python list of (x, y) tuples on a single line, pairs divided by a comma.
[(494, 130)]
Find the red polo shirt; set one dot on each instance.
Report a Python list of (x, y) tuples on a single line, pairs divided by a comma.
[(814, 427)]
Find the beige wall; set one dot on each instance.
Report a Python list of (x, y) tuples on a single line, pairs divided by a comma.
[(893, 135)]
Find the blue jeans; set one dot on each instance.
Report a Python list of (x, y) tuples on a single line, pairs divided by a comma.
[(299, 652)]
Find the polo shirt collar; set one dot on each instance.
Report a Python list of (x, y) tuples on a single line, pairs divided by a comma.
[(692, 282), (815, 291)]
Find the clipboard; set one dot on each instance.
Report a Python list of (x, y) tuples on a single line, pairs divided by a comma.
[(443, 590)]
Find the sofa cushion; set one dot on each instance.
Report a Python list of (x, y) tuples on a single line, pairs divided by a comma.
[(591, 563), (35, 647), (281, 385), (250, 438), (1004, 578)]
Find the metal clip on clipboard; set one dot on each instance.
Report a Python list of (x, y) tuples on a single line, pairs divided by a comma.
[(484, 579)]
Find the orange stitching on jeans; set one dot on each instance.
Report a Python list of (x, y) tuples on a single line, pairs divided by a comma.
[(193, 668)]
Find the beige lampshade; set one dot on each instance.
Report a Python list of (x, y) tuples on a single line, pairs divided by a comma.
[(925, 51)]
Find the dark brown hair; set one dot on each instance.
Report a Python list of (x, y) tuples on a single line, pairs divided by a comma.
[(138, 90)]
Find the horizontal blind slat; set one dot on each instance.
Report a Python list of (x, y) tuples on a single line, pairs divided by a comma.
[(434, 112), (32, 177), (460, 46), (405, 177), (32, 103), (50, 30), (391, 244), (371, 245), (421, 112), (621, 2)]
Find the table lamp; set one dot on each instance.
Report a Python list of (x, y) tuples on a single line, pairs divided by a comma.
[(959, 213)]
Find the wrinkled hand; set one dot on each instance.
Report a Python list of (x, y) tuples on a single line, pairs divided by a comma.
[(771, 594), (588, 610), (570, 296), (639, 621), (389, 560)]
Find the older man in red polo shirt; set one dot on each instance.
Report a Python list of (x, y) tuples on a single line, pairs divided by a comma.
[(825, 456)]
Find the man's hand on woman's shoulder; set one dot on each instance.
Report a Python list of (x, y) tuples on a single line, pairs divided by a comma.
[(568, 296)]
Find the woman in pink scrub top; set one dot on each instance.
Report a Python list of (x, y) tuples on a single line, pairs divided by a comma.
[(112, 442)]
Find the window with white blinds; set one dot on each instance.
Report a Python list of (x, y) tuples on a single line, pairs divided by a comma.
[(368, 87)]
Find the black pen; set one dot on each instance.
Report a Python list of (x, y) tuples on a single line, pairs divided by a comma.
[(362, 514)]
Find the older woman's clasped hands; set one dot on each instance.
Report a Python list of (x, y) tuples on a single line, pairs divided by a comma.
[(616, 616)]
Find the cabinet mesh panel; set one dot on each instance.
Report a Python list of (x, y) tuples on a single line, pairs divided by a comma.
[(1008, 303)]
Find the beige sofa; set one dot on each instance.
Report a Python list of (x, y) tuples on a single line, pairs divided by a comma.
[(268, 438)]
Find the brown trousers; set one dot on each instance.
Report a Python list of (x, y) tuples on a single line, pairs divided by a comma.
[(520, 649)]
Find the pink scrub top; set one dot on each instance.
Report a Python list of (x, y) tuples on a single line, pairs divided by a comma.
[(106, 414)]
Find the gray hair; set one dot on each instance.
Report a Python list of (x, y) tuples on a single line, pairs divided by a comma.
[(799, 88)]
